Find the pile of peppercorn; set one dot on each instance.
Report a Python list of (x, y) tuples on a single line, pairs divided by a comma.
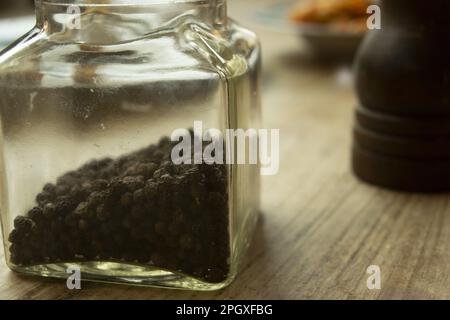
[(139, 208)]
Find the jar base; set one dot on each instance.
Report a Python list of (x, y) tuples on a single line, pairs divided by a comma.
[(122, 273)]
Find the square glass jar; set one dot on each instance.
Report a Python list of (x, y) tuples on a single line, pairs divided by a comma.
[(89, 100)]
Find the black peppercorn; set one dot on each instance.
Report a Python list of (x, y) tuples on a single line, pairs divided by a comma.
[(23, 224), (95, 198), (158, 173), (160, 228), (186, 241), (137, 212), (133, 182), (49, 210), (49, 188), (83, 225), (99, 184), (126, 199), (151, 189), (82, 209), (62, 189), (36, 214), (102, 212), (139, 196), (14, 236), (116, 186), (137, 208)]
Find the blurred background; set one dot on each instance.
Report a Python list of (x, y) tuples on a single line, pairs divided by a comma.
[(15, 7)]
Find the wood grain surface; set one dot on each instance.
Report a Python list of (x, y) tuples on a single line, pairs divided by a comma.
[(320, 228)]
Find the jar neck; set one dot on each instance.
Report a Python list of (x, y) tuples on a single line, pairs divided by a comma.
[(122, 20)]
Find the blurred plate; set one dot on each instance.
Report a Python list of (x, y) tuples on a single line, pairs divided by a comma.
[(321, 39), (13, 28)]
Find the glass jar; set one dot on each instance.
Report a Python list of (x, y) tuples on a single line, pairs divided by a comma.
[(90, 101)]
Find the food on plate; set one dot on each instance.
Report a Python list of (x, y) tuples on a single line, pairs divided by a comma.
[(344, 15)]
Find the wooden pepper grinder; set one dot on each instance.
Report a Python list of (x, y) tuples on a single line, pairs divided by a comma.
[(402, 126)]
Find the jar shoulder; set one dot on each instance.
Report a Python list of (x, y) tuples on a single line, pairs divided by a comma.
[(191, 48)]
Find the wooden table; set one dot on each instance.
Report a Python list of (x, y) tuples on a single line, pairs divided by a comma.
[(321, 227)]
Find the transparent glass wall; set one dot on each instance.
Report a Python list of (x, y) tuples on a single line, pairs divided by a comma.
[(88, 104)]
